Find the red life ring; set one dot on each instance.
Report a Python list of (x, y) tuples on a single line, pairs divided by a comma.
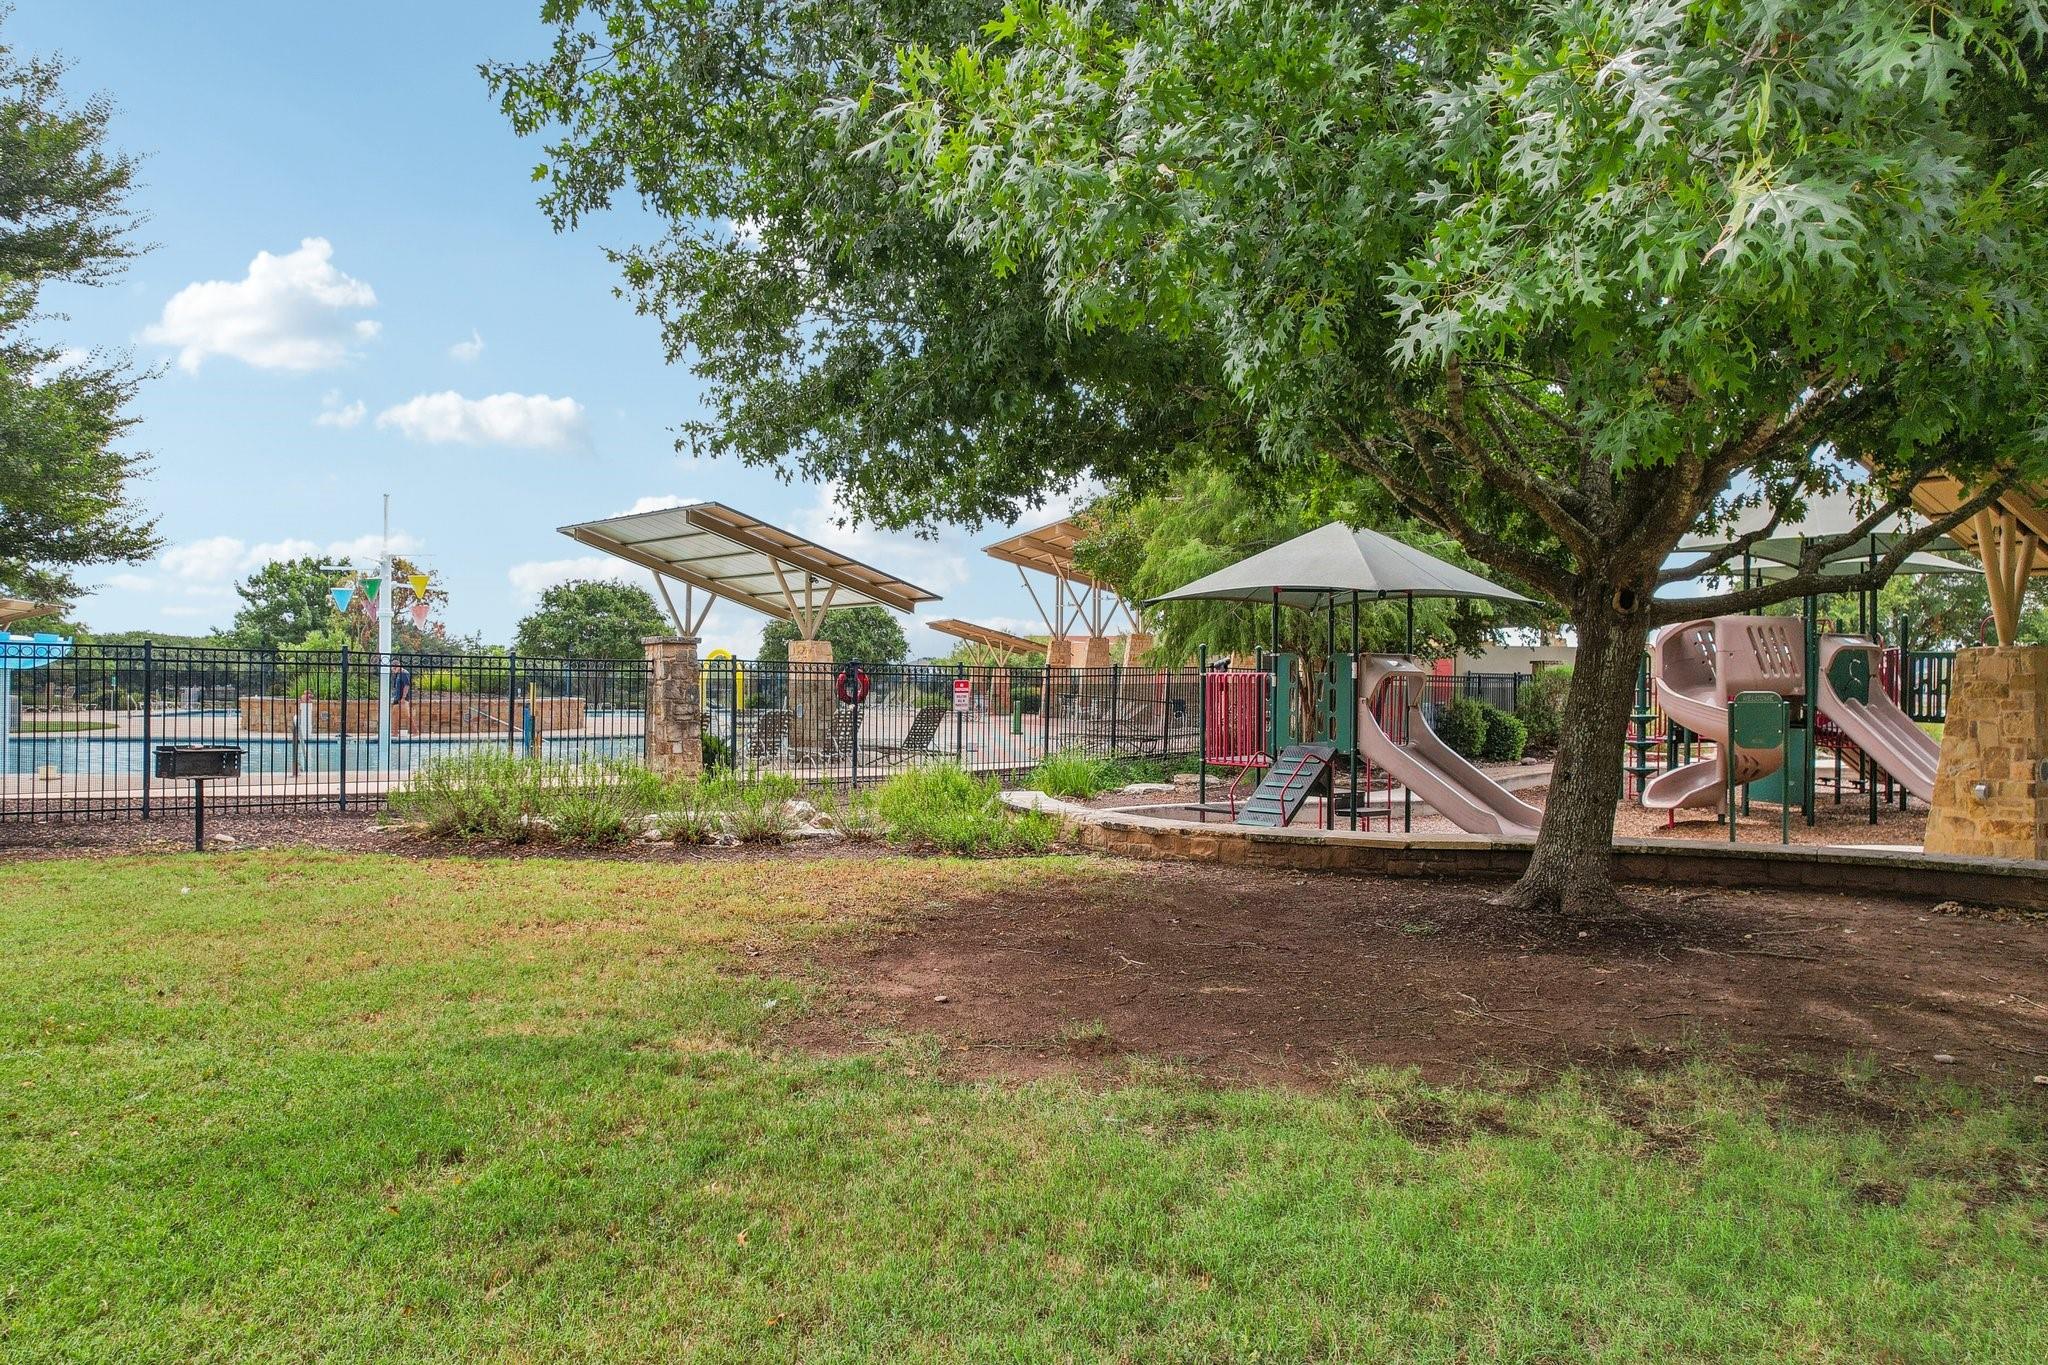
[(853, 685)]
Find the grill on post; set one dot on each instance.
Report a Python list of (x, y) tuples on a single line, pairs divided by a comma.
[(198, 763)]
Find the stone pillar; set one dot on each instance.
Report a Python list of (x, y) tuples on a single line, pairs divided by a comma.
[(1996, 738), (675, 710), (812, 695), (1096, 652)]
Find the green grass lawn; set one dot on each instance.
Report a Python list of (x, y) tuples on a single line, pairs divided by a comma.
[(63, 727), (292, 1106)]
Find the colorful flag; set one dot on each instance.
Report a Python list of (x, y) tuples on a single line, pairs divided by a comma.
[(341, 596), (419, 614), (419, 585), (370, 586)]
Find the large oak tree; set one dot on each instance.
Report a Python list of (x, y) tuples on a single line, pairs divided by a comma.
[(1570, 280)]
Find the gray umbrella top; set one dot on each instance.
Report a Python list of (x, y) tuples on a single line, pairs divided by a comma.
[(1827, 514), (1335, 561)]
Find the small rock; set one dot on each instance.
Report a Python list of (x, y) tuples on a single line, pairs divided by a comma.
[(2041, 1080), (226, 839), (942, 999), (1145, 788), (1944, 1058), (1585, 933)]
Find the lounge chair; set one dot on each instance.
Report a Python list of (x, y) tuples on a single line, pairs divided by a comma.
[(769, 737), (917, 740)]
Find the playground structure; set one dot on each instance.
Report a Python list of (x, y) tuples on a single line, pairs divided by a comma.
[(1363, 711), (1699, 668)]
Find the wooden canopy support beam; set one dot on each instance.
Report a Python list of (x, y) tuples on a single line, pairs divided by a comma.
[(2009, 550)]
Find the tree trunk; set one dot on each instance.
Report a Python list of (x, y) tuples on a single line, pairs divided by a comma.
[(1571, 871)]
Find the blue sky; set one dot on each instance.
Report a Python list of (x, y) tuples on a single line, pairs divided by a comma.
[(352, 293)]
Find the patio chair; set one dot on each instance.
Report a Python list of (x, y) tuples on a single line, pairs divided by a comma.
[(769, 736), (924, 728)]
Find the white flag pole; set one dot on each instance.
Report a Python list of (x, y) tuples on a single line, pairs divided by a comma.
[(386, 596)]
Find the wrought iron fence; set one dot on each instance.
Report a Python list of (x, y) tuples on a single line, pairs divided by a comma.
[(789, 718), (78, 733), (1496, 689)]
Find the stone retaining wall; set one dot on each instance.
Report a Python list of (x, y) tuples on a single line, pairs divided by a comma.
[(428, 713), (1979, 881)]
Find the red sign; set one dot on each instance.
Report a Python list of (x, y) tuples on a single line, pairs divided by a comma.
[(963, 694)]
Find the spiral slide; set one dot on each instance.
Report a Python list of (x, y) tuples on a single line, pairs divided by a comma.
[(1851, 698), (1427, 766)]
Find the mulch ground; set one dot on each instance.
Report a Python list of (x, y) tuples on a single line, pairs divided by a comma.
[(353, 833), (1240, 974)]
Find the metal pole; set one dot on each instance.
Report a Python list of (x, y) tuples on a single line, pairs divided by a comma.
[(341, 731), (1116, 698), (1810, 722), (1202, 723), (1407, 796), (512, 703), (1354, 708), (148, 683), (1276, 621), (386, 595), (199, 815), (959, 719), (1045, 709)]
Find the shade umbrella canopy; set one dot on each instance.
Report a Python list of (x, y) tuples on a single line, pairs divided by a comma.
[(1335, 561), (1827, 514), (1912, 564)]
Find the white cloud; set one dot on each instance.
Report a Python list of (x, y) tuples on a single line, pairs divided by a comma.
[(657, 502), (534, 577), (469, 350), (289, 312), (204, 562), (335, 413), (507, 419)]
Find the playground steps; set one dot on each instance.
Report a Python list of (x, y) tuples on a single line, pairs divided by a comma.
[(1298, 773)]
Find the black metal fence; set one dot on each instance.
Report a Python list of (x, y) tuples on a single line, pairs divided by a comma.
[(342, 729), (337, 728), (790, 718)]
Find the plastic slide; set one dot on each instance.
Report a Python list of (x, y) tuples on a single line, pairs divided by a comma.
[(1427, 766), (1851, 697), (1699, 667)]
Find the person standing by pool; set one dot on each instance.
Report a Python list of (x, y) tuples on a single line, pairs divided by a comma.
[(401, 697)]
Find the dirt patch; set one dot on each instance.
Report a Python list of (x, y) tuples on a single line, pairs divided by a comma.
[(1242, 974)]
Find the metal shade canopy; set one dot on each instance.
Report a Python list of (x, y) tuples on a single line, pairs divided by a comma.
[(723, 552), (1827, 514), (1336, 561), (986, 635), (21, 608), (1913, 564)]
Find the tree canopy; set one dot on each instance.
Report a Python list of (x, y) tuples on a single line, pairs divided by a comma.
[(283, 602), (64, 219), (590, 619), (865, 634), (843, 334)]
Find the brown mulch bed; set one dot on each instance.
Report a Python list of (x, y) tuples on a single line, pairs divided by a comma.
[(1242, 974), (355, 832)]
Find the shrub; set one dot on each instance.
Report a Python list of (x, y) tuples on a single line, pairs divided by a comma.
[(1462, 725), (1540, 706), (950, 808), (589, 815), (1506, 737), (494, 795), (1073, 774), (717, 753)]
